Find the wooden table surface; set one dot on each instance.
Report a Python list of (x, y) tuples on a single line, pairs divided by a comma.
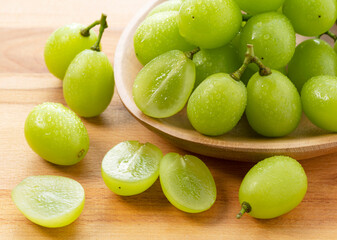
[(26, 82)]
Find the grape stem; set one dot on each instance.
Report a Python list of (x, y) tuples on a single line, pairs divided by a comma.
[(85, 32), (330, 34), (251, 58), (246, 17), (103, 26), (246, 208), (190, 54)]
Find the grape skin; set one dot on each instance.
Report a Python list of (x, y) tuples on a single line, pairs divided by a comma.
[(259, 6), (172, 5)]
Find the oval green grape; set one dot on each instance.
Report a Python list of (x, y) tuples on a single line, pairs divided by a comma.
[(157, 35), (162, 88), (49, 201), (88, 85), (273, 187), (130, 167), (63, 45), (167, 6), (319, 99), (56, 134), (187, 183), (217, 104), (209, 23), (273, 105), (313, 57)]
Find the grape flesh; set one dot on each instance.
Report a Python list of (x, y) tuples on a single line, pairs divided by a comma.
[(187, 183), (162, 88), (56, 134), (273, 39), (157, 35), (319, 99), (273, 187), (130, 167), (217, 104), (172, 5), (311, 17), (313, 57), (273, 105), (209, 23), (63, 45), (49, 201), (210, 61), (259, 6), (88, 85)]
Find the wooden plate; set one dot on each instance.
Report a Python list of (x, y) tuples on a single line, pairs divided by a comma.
[(241, 144)]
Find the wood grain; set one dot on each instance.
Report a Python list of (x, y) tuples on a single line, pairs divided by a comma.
[(25, 82)]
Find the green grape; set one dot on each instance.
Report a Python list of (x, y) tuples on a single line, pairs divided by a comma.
[(312, 58), (259, 6), (130, 167), (311, 17), (272, 188), (162, 88), (172, 5), (88, 85), (56, 134), (273, 105), (209, 61), (63, 45), (273, 38), (49, 201), (187, 183), (157, 35), (217, 104), (319, 100), (209, 23)]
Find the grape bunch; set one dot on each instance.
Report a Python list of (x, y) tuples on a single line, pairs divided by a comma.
[(227, 58)]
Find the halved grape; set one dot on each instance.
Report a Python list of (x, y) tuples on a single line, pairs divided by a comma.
[(57, 134), (311, 18), (273, 39), (49, 201), (210, 61), (313, 57), (273, 105), (172, 5), (273, 187), (63, 45), (319, 99), (217, 104), (187, 183), (157, 35), (130, 167), (209, 23), (163, 86)]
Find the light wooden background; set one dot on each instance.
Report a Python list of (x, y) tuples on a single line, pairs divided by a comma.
[(25, 82)]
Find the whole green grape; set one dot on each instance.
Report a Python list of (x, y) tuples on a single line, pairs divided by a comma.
[(88, 85), (259, 6), (130, 167), (313, 57), (209, 23), (210, 61), (56, 134), (311, 17), (273, 39), (187, 183), (217, 104), (63, 45), (49, 201), (319, 100), (273, 105), (162, 88), (172, 5), (273, 187), (157, 35)]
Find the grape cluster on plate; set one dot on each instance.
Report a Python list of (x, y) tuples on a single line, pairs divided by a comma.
[(224, 58)]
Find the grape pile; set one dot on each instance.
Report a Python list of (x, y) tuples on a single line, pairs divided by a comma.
[(204, 43)]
